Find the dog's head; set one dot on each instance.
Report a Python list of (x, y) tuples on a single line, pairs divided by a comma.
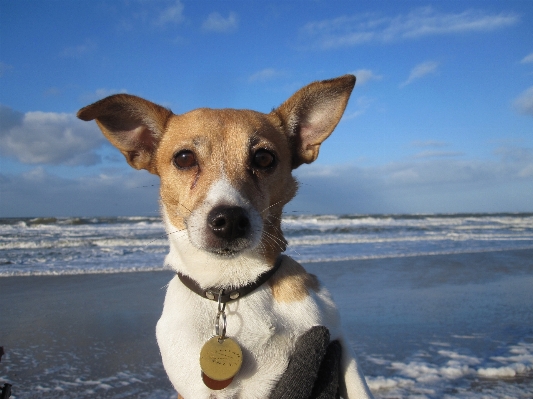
[(225, 174)]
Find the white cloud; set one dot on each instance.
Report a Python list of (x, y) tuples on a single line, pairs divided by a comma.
[(217, 23), (365, 28), (89, 46), (48, 138), (171, 15), (115, 192), (503, 184), (264, 74), (528, 59), (524, 102), (365, 75), (442, 184), (521, 158), (420, 71)]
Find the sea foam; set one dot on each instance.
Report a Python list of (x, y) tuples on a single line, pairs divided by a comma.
[(37, 246)]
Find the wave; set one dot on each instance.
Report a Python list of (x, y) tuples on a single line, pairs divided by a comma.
[(50, 245), (288, 219), (347, 239), (377, 223), (77, 221), (80, 271), (305, 240), (107, 242)]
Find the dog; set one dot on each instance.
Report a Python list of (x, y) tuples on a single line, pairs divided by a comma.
[(226, 175)]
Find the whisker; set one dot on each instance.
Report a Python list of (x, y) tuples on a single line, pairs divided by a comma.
[(275, 239), (286, 244), (269, 243), (268, 207)]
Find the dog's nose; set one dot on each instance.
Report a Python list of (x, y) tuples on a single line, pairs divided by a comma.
[(229, 222)]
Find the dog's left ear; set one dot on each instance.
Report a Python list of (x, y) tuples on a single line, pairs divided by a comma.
[(311, 115), (132, 124)]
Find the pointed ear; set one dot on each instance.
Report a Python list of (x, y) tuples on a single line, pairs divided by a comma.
[(312, 113), (133, 125)]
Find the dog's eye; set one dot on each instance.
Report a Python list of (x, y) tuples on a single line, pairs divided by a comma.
[(263, 159), (185, 159)]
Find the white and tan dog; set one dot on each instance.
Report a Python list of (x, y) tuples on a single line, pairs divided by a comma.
[(225, 177)]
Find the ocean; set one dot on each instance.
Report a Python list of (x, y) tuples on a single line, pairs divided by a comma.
[(52, 246), (435, 306)]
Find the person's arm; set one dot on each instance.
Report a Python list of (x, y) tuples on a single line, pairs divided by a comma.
[(313, 370)]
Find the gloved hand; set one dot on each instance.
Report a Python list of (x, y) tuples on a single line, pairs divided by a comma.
[(313, 370)]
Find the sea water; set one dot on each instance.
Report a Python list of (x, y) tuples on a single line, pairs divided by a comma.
[(40, 246), (435, 306)]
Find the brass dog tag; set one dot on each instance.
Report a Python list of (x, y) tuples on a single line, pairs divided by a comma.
[(220, 360)]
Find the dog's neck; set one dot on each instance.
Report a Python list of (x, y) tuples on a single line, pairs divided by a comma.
[(228, 293)]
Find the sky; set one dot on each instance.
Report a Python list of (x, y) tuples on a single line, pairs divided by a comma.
[(440, 120)]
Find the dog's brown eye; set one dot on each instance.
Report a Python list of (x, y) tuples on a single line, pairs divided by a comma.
[(185, 159), (263, 159)]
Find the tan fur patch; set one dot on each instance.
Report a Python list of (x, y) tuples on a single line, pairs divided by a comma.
[(292, 283)]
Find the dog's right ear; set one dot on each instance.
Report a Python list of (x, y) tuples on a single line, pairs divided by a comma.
[(133, 125)]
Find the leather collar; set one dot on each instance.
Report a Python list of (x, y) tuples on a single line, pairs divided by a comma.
[(228, 295)]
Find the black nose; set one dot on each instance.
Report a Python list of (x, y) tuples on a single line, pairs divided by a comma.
[(228, 222)]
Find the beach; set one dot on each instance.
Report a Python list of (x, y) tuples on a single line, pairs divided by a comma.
[(431, 326), (83, 335)]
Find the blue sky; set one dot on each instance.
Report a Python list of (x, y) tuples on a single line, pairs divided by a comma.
[(440, 120)]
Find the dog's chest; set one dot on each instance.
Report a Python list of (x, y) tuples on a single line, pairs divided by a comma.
[(265, 329)]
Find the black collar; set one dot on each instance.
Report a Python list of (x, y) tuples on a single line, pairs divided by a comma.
[(228, 295)]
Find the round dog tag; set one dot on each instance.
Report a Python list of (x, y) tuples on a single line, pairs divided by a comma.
[(220, 359)]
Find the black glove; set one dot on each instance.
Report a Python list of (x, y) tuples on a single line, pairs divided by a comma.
[(313, 370), (5, 392)]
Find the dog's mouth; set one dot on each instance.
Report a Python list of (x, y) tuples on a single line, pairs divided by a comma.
[(225, 252), (229, 249)]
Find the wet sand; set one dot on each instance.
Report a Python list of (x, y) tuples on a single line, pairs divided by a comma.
[(57, 329), (94, 335)]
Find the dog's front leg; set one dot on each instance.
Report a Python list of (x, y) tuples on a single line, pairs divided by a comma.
[(352, 382)]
